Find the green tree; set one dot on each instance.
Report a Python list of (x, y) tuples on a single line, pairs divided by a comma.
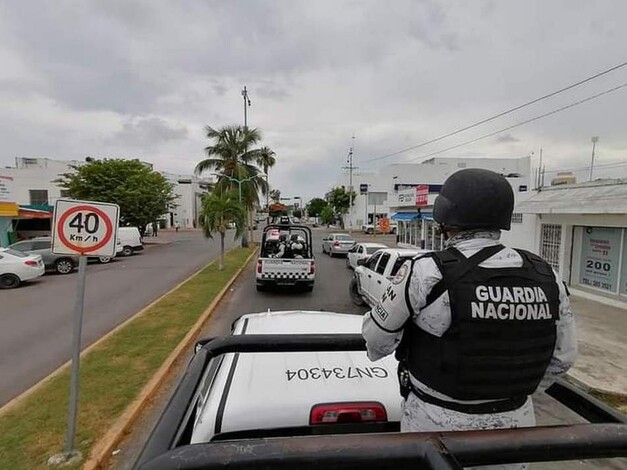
[(142, 194), (219, 210), (266, 159), (315, 206), (297, 213), (339, 199), (327, 215), (275, 196)]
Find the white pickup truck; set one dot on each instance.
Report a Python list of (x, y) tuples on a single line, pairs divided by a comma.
[(286, 258), (296, 390), (374, 274)]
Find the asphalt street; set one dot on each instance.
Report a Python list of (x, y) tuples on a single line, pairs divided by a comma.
[(36, 318), (330, 294)]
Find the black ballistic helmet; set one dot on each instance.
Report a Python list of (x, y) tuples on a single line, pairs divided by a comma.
[(474, 198)]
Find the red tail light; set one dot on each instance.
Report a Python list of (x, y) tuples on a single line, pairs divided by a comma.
[(336, 243), (31, 263), (312, 268), (357, 412), (259, 266)]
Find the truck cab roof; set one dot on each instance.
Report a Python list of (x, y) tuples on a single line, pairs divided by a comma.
[(257, 391)]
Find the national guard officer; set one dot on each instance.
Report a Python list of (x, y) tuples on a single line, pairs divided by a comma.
[(477, 327)]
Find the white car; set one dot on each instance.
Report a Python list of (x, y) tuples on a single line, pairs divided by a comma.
[(373, 275), (361, 251), (313, 387), (130, 239), (337, 244), (17, 267)]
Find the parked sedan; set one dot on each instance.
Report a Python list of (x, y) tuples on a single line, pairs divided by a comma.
[(17, 267), (337, 243), (62, 264), (361, 251)]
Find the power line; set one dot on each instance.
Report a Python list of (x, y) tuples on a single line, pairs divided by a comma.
[(563, 108), (584, 168), (496, 116)]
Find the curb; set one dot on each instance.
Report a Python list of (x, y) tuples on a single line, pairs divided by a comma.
[(24, 395), (101, 452), (581, 383)]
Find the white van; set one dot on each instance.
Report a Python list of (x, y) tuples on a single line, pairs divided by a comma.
[(130, 239)]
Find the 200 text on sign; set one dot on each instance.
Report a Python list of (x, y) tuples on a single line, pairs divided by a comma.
[(85, 228)]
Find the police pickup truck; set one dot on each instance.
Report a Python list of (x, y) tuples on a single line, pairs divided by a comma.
[(296, 390), (286, 257), (374, 274)]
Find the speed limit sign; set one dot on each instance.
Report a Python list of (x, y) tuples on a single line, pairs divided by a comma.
[(85, 228)]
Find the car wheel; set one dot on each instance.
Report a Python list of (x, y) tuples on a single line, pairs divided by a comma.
[(354, 293), (9, 281), (370, 231), (104, 259), (309, 288), (261, 288), (127, 251), (64, 266)]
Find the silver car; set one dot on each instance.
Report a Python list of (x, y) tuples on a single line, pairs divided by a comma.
[(62, 264), (337, 244)]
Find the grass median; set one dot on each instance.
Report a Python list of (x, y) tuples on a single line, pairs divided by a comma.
[(112, 374)]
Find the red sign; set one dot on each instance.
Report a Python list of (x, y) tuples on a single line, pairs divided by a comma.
[(422, 195)]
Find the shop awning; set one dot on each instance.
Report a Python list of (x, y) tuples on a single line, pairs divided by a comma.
[(595, 197), (8, 209), (27, 212), (405, 216)]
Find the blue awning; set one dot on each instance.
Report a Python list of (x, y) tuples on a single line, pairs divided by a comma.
[(405, 216)]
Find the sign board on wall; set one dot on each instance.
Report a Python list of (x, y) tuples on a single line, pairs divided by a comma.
[(363, 188), (422, 195), (7, 188), (600, 254)]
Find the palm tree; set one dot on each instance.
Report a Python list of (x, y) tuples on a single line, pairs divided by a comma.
[(232, 156), (266, 160), (218, 210)]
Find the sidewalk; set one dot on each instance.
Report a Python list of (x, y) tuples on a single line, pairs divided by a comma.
[(165, 237), (602, 339)]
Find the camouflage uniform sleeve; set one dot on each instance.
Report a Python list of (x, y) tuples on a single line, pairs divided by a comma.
[(382, 327), (565, 351)]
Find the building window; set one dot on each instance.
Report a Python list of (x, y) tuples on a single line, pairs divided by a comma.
[(517, 218), (550, 242), (38, 196)]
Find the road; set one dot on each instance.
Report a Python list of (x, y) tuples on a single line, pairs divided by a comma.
[(330, 294), (36, 318)]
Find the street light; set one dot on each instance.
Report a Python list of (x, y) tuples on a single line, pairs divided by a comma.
[(239, 186), (594, 144)]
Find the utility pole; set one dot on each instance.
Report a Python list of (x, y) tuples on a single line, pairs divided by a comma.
[(594, 144), (246, 105), (540, 182), (350, 169)]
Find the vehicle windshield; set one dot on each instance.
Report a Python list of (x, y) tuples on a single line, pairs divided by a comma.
[(372, 249), (13, 252)]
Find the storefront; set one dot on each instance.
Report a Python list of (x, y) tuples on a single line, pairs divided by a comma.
[(8, 209), (580, 230)]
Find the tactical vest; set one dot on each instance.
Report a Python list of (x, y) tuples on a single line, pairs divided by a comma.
[(502, 333)]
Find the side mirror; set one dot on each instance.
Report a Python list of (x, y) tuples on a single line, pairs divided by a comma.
[(362, 261)]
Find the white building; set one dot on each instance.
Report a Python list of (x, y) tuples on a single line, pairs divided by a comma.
[(33, 182), (580, 230), (394, 188), (186, 208)]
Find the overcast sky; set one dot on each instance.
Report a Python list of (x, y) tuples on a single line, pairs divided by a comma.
[(142, 78)]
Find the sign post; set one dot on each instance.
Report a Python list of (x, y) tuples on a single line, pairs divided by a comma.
[(84, 229)]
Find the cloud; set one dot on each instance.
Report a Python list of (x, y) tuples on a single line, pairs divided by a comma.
[(146, 132), (143, 78), (506, 138)]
